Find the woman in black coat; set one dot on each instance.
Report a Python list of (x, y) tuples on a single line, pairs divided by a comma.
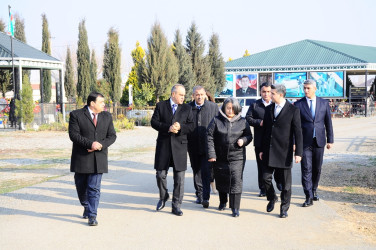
[(227, 135)]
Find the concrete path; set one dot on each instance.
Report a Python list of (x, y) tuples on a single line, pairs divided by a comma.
[(47, 215)]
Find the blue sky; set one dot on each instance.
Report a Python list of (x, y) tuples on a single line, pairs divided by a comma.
[(253, 25)]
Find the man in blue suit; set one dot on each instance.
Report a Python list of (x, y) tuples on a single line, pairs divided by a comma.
[(317, 130)]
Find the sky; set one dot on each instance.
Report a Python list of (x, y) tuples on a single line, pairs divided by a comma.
[(241, 24)]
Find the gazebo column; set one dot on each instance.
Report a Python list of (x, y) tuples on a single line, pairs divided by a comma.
[(62, 92), (20, 90)]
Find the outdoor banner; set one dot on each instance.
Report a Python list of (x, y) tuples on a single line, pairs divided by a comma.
[(360, 80), (228, 89), (293, 83), (329, 84), (246, 85)]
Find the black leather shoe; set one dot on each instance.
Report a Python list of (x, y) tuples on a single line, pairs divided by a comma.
[(93, 221), (308, 202), (235, 212), (161, 203), (271, 203), (315, 196), (262, 193), (205, 203), (222, 206), (177, 211), (198, 200), (84, 215), (283, 215)]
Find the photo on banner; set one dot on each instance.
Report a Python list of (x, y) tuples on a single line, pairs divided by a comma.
[(246, 85), (360, 80), (293, 83), (328, 84), (228, 89)]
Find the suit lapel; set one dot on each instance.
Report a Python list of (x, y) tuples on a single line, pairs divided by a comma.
[(169, 108), (87, 114), (306, 108), (318, 106)]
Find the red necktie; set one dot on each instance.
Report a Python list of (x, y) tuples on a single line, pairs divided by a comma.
[(95, 119)]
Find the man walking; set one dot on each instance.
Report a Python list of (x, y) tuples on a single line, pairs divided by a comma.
[(282, 124), (317, 129), (92, 131), (173, 120), (255, 117), (203, 112)]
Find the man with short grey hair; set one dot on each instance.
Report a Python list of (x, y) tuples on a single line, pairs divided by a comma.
[(203, 112), (317, 129), (173, 120), (282, 124)]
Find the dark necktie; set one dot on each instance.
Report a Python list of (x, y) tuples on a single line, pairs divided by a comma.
[(312, 110), (174, 108), (95, 119)]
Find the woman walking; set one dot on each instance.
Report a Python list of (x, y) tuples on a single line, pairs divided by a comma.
[(227, 135)]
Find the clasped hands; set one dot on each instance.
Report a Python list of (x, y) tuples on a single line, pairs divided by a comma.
[(95, 146), (240, 143), (174, 128)]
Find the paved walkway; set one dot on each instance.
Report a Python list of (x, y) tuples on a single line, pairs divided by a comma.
[(47, 215)]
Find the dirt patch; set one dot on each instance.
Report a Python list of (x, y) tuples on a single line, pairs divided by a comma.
[(350, 188)]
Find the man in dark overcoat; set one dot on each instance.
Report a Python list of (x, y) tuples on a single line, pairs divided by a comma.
[(282, 124), (317, 132), (203, 112), (173, 120), (92, 131), (255, 117)]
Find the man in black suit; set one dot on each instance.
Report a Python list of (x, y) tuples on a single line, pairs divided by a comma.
[(92, 131), (282, 124), (255, 117), (317, 129), (245, 90), (203, 112), (173, 120)]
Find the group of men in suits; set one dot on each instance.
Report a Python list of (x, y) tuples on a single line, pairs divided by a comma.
[(282, 128)]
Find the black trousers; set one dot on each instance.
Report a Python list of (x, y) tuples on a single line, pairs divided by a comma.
[(285, 178), (260, 172), (88, 188), (178, 192), (234, 199), (311, 168), (201, 176)]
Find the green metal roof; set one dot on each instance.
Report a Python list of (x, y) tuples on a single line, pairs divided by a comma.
[(21, 50), (296, 56)]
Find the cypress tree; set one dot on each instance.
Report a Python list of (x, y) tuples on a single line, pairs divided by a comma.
[(195, 47), (2, 25), (69, 85), (111, 65), (160, 69), (83, 63), (186, 76), (138, 57), (93, 71), (5, 81), (217, 64), (19, 32), (46, 47), (25, 106)]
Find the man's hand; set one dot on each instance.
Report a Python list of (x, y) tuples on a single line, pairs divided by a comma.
[(297, 159), (260, 155), (96, 146), (240, 142), (177, 126), (261, 123), (212, 160), (172, 129), (329, 145)]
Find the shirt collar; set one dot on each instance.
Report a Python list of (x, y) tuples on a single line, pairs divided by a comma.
[(90, 111), (172, 102), (199, 105), (313, 99), (266, 103), (282, 104)]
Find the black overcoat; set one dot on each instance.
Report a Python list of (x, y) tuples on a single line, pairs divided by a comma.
[(254, 116), (201, 119), (277, 144), (83, 133), (222, 135), (170, 144)]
